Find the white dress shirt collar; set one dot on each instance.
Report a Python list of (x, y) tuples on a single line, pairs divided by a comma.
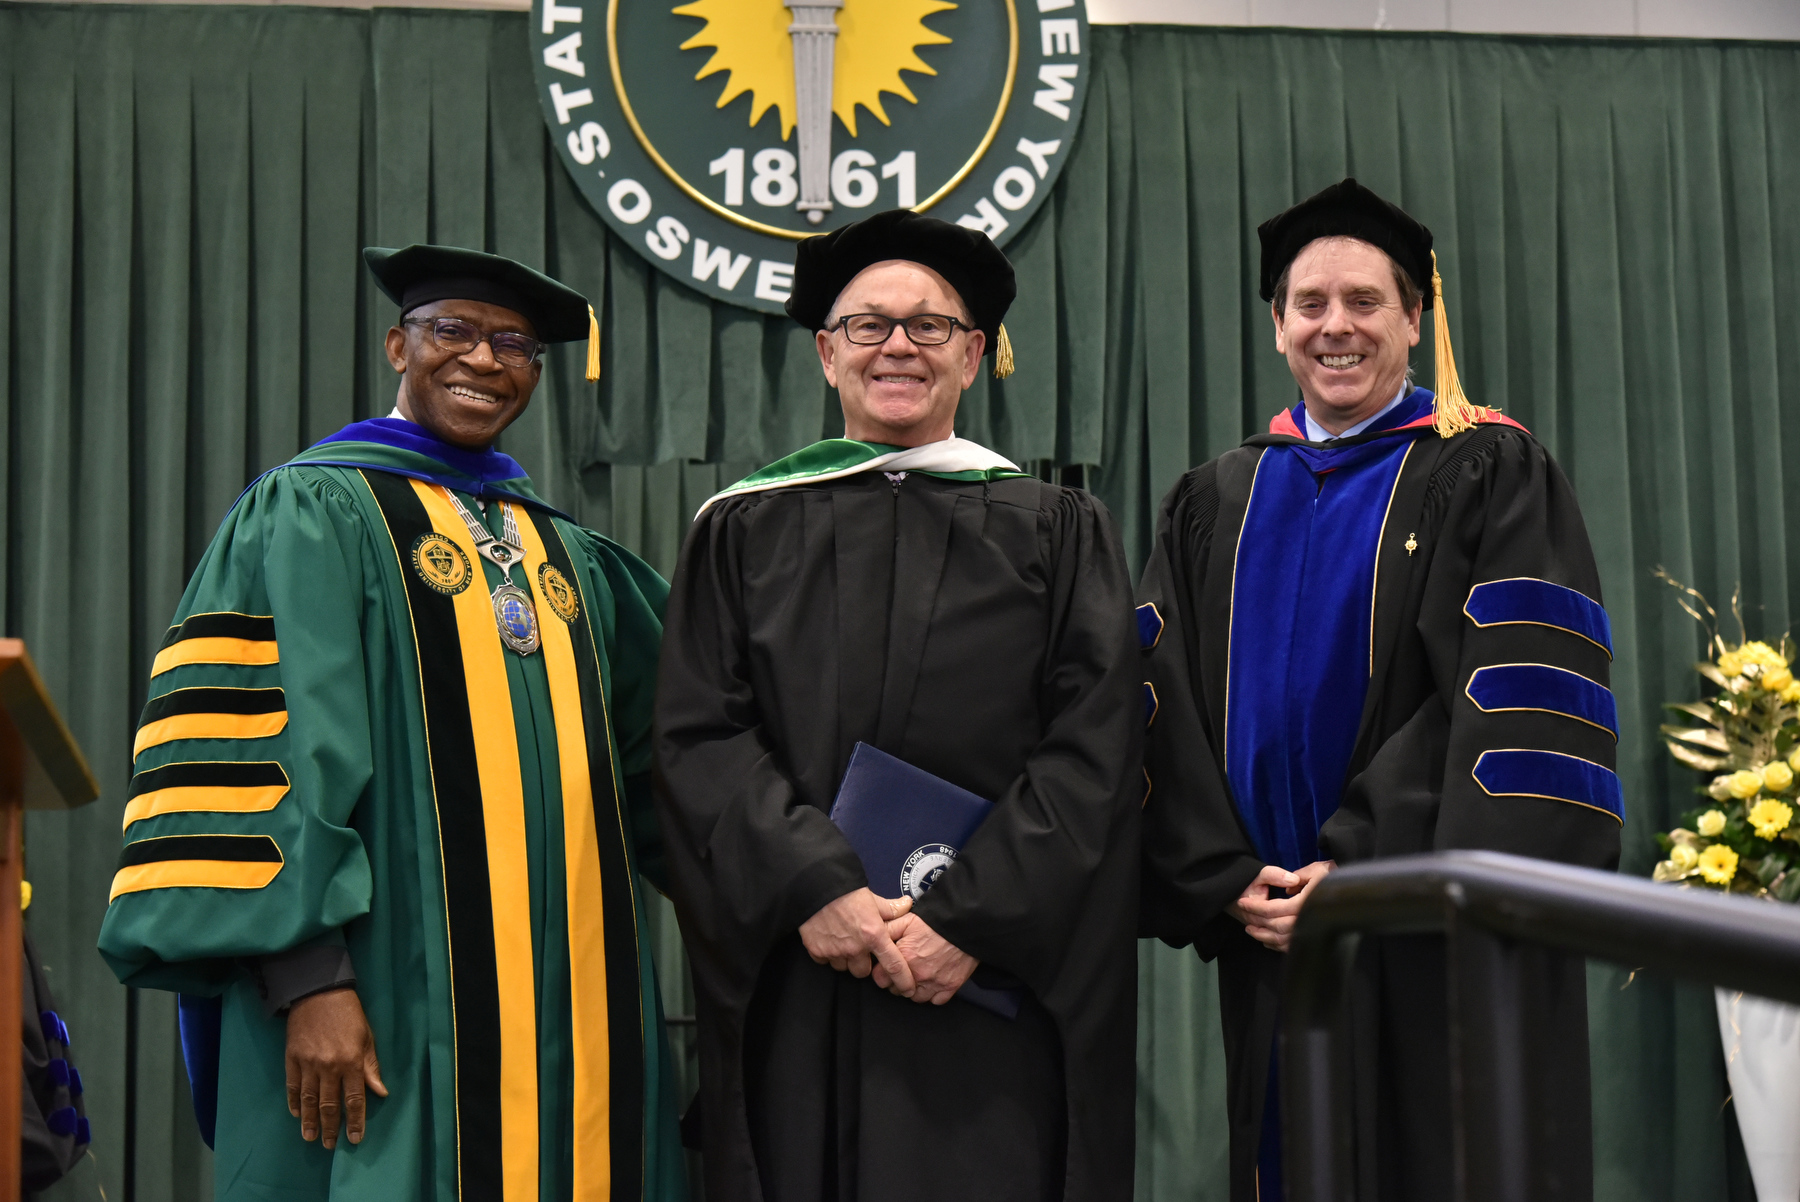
[(1317, 433)]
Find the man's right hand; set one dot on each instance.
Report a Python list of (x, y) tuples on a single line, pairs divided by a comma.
[(1270, 920), (848, 931), (330, 1059)]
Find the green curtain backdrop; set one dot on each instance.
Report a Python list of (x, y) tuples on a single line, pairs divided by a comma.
[(185, 191)]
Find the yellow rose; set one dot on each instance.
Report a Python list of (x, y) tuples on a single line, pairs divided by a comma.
[(1770, 817), (1744, 785), (1777, 776), (1720, 788), (1710, 823), (1683, 859), (1718, 864), (1791, 694), (1761, 653), (1774, 680), (1731, 664), (1794, 759)]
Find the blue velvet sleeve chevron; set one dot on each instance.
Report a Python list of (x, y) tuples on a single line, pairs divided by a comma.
[(1150, 626), (1525, 599), (1150, 704), (1518, 772), (1544, 688)]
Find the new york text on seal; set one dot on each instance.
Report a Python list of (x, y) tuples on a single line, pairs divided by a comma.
[(924, 867)]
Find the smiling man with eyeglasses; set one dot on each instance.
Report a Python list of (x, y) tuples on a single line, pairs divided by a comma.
[(470, 369), (392, 795), (1375, 631), (912, 591)]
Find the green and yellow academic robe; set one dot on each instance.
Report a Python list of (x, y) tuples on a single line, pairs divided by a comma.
[(339, 749)]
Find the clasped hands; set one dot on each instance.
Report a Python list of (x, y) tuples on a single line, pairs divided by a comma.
[(1270, 920), (866, 935)]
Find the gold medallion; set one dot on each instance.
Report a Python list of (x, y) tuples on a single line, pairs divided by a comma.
[(558, 592), (441, 563)]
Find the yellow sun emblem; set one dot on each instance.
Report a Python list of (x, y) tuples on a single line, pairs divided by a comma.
[(876, 41)]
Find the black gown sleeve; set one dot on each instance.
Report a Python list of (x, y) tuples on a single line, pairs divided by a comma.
[(1517, 745), (316, 966), (749, 860), (1197, 858), (1021, 893)]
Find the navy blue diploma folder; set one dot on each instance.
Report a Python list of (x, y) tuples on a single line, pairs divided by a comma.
[(907, 826)]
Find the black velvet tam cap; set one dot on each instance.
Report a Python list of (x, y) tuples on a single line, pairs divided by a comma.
[(967, 259), (419, 274), (1349, 210)]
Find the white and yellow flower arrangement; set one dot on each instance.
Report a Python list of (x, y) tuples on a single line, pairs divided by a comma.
[(1742, 838)]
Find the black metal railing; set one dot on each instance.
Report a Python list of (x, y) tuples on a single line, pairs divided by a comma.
[(1489, 906)]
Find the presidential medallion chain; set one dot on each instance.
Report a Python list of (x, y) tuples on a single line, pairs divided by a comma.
[(514, 613)]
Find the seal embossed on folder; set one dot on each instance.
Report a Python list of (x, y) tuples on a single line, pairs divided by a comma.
[(907, 826)]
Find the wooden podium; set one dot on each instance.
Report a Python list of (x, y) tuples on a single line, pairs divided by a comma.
[(41, 768)]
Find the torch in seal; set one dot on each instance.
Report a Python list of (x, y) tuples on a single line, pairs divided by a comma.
[(814, 35)]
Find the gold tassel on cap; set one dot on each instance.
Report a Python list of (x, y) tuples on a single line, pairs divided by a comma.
[(1454, 411), (593, 364), (1003, 356)]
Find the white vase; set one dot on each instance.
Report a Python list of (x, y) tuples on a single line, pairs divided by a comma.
[(1762, 1060)]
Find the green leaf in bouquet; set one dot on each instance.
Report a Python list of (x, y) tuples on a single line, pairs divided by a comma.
[(1701, 736), (1712, 673), (1786, 887), (1694, 759), (1703, 710), (1767, 869)]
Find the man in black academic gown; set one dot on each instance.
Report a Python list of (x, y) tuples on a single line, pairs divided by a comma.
[(1373, 631), (914, 591)]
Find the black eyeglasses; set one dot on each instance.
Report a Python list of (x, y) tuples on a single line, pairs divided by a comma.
[(925, 329), (459, 338)]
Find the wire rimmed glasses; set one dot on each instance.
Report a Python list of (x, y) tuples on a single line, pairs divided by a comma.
[(460, 337)]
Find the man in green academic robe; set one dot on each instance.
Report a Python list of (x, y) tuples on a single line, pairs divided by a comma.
[(390, 800)]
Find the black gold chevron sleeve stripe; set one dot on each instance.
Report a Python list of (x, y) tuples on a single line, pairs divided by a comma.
[(197, 861), (216, 786), (218, 638), (211, 713)]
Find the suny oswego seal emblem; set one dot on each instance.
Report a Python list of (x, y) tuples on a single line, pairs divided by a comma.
[(712, 135), (441, 563), (558, 592)]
